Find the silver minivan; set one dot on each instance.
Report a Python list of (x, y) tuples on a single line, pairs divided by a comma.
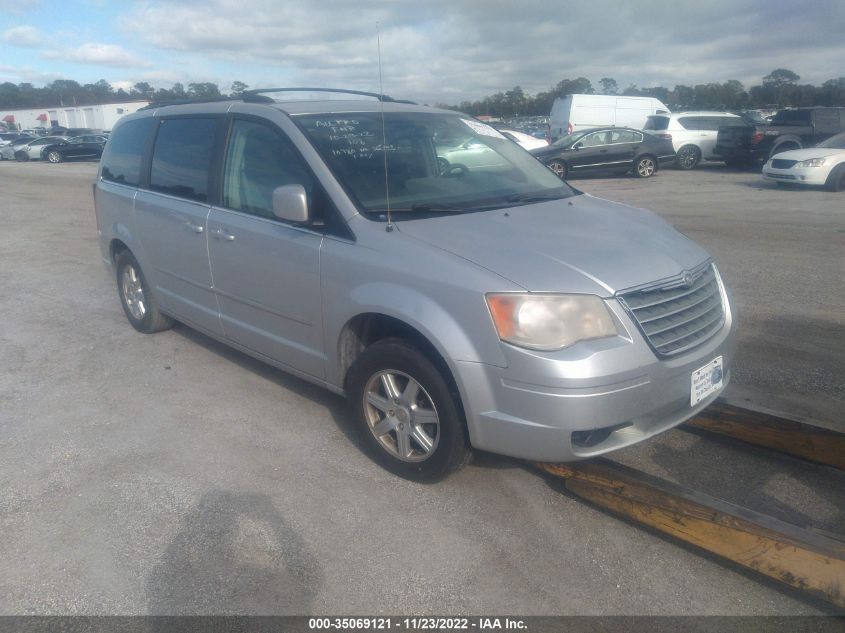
[(489, 306)]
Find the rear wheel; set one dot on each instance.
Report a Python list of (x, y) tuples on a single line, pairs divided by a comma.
[(559, 167), (405, 412), (688, 157), (54, 157), (645, 167), (136, 297)]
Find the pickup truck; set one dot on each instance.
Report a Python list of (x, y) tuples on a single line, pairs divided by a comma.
[(789, 129)]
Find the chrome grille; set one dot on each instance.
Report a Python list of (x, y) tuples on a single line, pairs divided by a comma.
[(780, 163), (674, 316)]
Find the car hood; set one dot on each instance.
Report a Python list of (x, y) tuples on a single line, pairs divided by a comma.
[(580, 244), (548, 150), (812, 152)]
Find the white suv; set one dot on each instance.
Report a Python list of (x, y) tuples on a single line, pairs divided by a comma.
[(693, 134)]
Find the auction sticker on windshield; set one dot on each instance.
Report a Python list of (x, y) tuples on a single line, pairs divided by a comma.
[(706, 380)]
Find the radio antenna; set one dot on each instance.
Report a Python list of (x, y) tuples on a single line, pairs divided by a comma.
[(389, 226)]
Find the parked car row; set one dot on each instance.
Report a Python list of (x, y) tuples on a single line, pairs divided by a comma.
[(54, 149)]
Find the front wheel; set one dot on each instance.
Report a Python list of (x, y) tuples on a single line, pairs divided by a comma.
[(644, 167), (21, 157), (54, 157), (405, 412), (836, 179)]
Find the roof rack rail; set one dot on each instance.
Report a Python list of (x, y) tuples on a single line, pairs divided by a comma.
[(250, 95), (167, 102)]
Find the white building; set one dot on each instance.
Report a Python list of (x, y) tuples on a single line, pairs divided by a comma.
[(98, 117)]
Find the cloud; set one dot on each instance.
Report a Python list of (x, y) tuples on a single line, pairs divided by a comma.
[(18, 6), (444, 51), (97, 54), (28, 74), (23, 36)]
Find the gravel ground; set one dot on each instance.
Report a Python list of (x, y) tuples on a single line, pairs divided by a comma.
[(169, 474)]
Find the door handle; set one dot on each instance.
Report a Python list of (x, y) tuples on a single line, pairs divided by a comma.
[(222, 234), (196, 228)]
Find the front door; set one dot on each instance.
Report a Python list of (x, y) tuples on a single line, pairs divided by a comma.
[(592, 153), (266, 272)]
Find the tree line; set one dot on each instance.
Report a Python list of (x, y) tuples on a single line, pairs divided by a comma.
[(780, 88), (66, 92)]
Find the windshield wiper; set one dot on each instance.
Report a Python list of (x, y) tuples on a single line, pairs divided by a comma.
[(535, 197)]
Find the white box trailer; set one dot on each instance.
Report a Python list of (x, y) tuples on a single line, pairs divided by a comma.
[(571, 113)]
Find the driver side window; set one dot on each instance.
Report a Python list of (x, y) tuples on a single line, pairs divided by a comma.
[(258, 160)]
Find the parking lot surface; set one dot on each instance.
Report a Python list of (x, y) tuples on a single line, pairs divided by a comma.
[(169, 474)]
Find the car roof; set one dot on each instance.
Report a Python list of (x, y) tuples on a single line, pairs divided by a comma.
[(604, 129)]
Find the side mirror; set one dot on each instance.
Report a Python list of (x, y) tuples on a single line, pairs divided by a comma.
[(577, 146), (290, 202)]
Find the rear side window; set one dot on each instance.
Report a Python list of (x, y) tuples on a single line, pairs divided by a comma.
[(693, 122), (657, 123), (731, 121), (125, 151), (792, 117), (182, 157), (625, 136)]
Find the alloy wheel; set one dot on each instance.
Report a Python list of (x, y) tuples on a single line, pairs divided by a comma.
[(401, 415), (133, 293), (645, 167)]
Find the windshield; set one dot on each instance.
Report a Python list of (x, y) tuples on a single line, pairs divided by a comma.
[(436, 163), (834, 142)]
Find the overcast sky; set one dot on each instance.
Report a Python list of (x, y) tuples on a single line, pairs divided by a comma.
[(432, 50)]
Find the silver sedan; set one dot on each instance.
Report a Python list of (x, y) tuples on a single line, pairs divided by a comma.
[(30, 150)]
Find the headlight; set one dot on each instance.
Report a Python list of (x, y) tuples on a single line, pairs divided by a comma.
[(812, 162), (549, 321)]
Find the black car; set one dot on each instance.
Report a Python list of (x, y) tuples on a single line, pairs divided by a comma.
[(607, 149), (798, 128), (77, 147)]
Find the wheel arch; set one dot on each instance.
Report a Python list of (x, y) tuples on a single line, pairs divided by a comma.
[(792, 142), (116, 247), (367, 328)]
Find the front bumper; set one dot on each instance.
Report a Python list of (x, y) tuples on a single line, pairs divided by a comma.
[(537, 407), (796, 174)]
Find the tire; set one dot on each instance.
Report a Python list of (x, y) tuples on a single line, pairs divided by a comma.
[(836, 179), (559, 167), (22, 157), (645, 166), (688, 157), (54, 157), (392, 386), (137, 299)]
